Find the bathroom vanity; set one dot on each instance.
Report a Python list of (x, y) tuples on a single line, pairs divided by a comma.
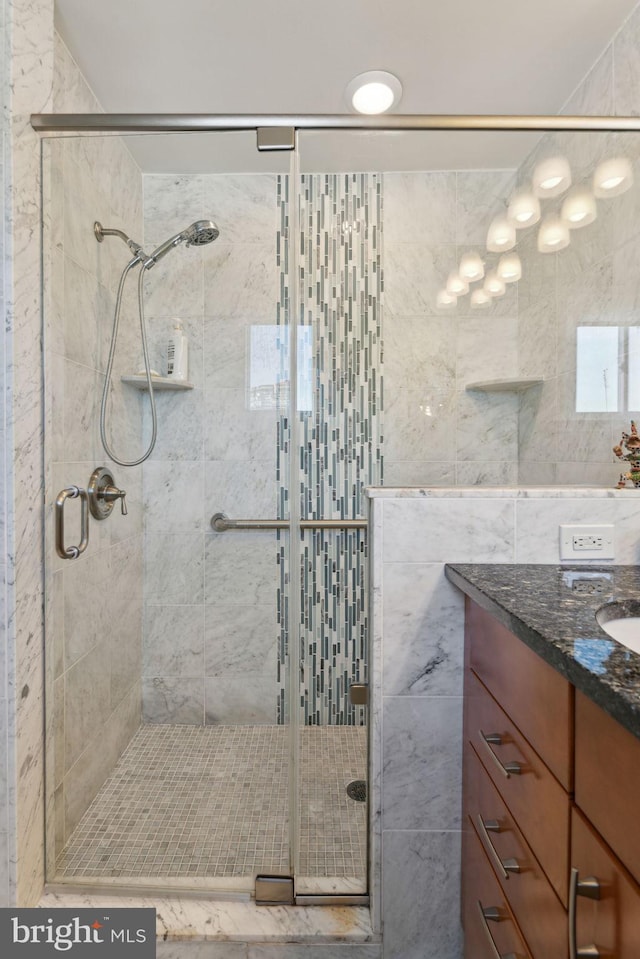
[(551, 845)]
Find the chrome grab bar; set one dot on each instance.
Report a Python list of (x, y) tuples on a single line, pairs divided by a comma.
[(221, 523), (72, 492)]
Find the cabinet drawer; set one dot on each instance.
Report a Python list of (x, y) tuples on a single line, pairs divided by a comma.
[(608, 780), (611, 923), (490, 929), (536, 697), (537, 909), (535, 799)]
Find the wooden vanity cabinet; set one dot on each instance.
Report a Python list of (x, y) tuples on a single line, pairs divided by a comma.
[(608, 781), (610, 923), (605, 834), (518, 767), (567, 868), (490, 928), (536, 698)]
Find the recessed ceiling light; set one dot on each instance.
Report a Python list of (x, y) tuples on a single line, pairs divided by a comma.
[(373, 92)]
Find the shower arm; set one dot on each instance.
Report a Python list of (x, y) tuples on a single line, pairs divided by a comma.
[(101, 231)]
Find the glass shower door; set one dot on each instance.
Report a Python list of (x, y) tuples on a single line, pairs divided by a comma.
[(166, 639)]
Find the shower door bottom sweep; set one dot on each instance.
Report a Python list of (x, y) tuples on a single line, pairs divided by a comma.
[(207, 806)]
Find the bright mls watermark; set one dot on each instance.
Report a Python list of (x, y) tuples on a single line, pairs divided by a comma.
[(121, 933)]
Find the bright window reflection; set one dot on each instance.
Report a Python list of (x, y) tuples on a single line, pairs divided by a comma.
[(607, 369), (268, 373)]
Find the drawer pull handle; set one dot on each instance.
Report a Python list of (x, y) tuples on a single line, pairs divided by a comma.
[(492, 914), (504, 866), (590, 889), (495, 739)]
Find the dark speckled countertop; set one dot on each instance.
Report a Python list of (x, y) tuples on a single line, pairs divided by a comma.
[(552, 610)]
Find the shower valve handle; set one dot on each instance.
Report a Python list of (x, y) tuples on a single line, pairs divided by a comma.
[(103, 494), (111, 493)]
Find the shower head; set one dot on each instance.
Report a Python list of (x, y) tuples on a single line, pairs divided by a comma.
[(198, 234), (201, 232)]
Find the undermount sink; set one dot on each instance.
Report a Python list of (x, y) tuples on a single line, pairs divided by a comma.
[(621, 621)]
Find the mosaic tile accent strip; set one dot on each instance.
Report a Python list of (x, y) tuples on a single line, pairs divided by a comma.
[(339, 429), (212, 802)]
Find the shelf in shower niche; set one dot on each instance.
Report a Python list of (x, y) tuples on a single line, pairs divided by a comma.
[(504, 386), (159, 382)]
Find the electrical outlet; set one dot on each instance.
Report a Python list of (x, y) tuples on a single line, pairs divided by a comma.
[(587, 542)]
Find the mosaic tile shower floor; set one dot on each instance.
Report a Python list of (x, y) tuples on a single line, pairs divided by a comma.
[(194, 802)]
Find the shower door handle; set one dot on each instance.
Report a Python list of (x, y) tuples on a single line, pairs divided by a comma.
[(72, 492)]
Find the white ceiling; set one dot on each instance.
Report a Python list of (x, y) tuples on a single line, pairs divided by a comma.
[(291, 56)]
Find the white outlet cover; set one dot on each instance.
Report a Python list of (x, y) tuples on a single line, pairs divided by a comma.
[(604, 532)]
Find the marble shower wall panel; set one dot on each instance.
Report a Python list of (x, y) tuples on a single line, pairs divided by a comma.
[(94, 603), (211, 620), (4, 705), (418, 637), (435, 432)]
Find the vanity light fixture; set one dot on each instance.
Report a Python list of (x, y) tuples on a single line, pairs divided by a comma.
[(456, 285), (553, 235), (524, 209), (471, 267), (579, 208), (375, 91), (501, 235), (612, 177), (480, 299), (509, 268), (552, 177), (494, 285), (446, 301)]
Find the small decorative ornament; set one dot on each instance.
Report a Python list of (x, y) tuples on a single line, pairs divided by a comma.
[(631, 443)]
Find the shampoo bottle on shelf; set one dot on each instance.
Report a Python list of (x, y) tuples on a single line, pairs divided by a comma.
[(178, 353)]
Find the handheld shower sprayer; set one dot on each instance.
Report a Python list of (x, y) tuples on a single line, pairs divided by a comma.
[(198, 234)]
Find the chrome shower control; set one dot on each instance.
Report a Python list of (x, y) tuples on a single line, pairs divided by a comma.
[(103, 494)]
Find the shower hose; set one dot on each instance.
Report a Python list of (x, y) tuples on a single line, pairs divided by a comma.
[(147, 365)]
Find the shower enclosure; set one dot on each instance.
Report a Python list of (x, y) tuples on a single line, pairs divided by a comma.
[(208, 654), (207, 661)]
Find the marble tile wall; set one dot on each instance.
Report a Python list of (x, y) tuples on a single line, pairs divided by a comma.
[(418, 637), (436, 433), (93, 625), (28, 51), (593, 282), (210, 626), (4, 782)]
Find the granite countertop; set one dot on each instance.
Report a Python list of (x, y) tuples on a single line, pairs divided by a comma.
[(552, 610)]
